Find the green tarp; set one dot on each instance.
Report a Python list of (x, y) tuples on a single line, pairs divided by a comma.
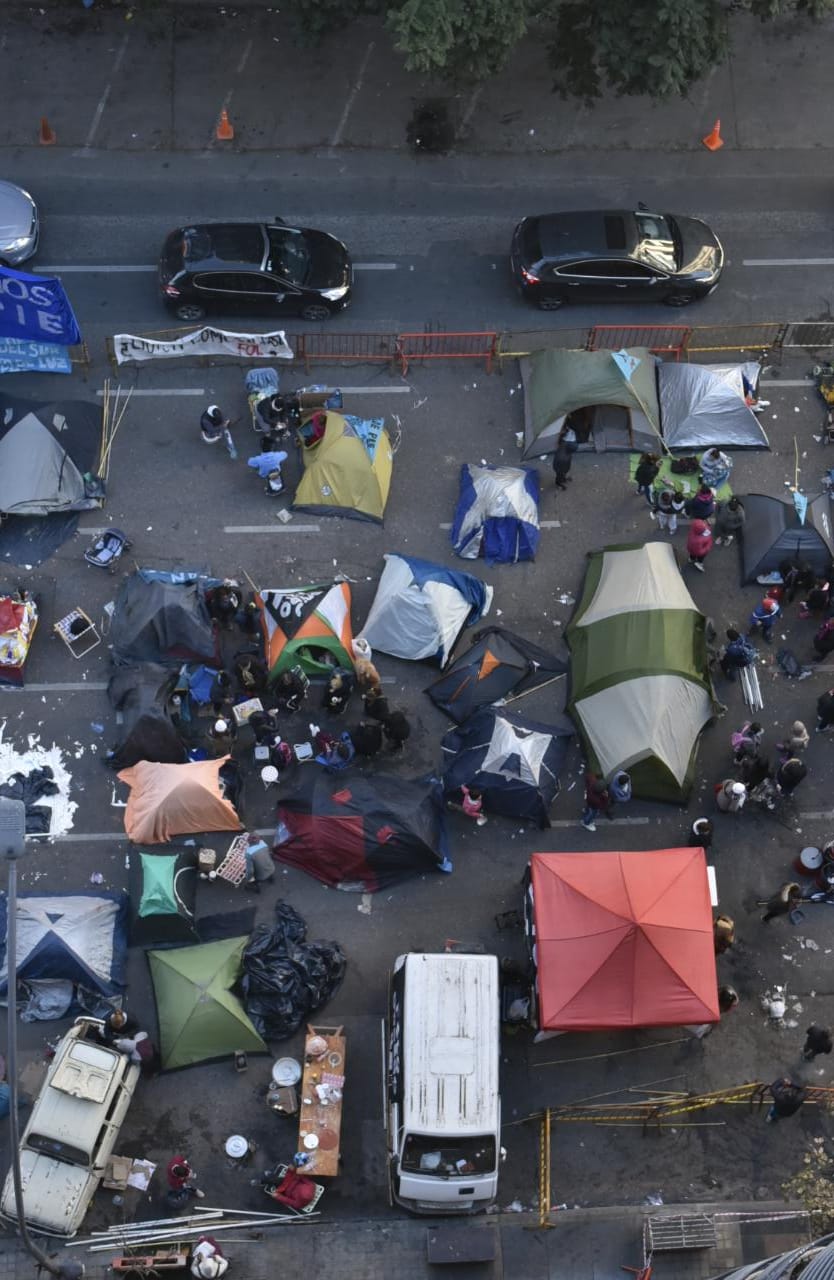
[(158, 893), (640, 686), (199, 1017)]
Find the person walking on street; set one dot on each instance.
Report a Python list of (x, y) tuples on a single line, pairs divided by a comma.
[(739, 653), (181, 1185), (730, 796), (729, 522), (562, 459), (698, 544), (597, 801), (645, 475), (214, 428), (817, 1040), (783, 902), (787, 1097), (764, 617), (825, 711)]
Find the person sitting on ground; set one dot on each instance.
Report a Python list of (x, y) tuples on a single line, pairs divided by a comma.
[(334, 753), (223, 603), (397, 730), (702, 505), (291, 689), (367, 737), (738, 653), (789, 775), (207, 1260), (220, 694), (376, 705), (221, 735), (729, 521), (337, 692), (264, 725), (715, 468), (249, 619), (472, 804)]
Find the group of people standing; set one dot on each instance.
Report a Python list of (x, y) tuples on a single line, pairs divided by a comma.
[(669, 504)]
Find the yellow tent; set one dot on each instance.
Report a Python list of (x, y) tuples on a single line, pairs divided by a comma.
[(347, 472)]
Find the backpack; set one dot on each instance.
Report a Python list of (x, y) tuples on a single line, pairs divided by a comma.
[(684, 466)]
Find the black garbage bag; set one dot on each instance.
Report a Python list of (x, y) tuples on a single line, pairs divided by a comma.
[(285, 979)]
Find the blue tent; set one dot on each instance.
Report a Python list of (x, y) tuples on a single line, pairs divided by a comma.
[(421, 608), (77, 938), (497, 515), (513, 761)]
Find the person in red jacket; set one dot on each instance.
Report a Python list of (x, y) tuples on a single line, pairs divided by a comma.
[(698, 544)]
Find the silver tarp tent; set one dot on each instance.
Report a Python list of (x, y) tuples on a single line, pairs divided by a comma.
[(704, 405)]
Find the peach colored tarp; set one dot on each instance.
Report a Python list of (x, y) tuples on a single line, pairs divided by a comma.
[(176, 799)]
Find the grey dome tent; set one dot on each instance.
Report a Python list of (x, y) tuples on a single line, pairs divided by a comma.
[(774, 532), (616, 389), (45, 451), (161, 621), (703, 406)]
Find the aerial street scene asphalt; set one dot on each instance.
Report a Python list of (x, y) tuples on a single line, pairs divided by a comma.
[(416, 705)]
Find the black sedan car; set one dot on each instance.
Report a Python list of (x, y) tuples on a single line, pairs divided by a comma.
[(255, 267), (614, 256)]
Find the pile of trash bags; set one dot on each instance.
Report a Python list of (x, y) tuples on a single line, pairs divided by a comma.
[(285, 979)]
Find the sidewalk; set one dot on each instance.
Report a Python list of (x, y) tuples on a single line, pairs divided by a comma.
[(159, 81), (589, 1244)]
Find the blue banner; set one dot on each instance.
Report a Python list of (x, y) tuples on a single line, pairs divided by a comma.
[(17, 356), (37, 308)]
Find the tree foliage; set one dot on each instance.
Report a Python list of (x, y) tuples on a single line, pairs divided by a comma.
[(464, 40)]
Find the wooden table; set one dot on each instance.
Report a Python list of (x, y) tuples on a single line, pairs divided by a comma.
[(317, 1117)]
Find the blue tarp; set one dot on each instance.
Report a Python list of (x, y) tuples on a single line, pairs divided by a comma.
[(36, 307), (475, 593), (497, 515), (21, 356)]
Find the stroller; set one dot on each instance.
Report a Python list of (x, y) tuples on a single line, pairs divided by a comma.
[(107, 549)]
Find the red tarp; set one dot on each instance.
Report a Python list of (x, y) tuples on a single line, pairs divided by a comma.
[(623, 939)]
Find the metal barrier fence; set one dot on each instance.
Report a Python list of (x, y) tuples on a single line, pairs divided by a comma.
[(812, 335), (670, 339), (754, 338), (447, 346), (348, 348)]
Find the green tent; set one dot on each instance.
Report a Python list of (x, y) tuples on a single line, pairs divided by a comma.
[(199, 1017), (617, 388), (640, 686)]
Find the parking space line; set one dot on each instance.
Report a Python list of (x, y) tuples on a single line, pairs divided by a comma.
[(786, 382), (66, 686), (102, 102), (272, 528), (375, 266), (121, 268), (351, 98), (543, 524), (787, 262), (170, 391)]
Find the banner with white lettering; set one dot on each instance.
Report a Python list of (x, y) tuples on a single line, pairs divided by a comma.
[(18, 356), (132, 349), (37, 308)]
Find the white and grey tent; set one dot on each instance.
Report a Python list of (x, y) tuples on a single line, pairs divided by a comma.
[(702, 406), (69, 945), (774, 531), (420, 608), (45, 452)]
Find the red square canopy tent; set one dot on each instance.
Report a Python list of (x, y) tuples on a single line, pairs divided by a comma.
[(622, 939)]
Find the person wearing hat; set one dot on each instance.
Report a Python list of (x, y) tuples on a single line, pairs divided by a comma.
[(700, 835), (207, 1260), (221, 735), (212, 424), (764, 618), (730, 796), (619, 788)]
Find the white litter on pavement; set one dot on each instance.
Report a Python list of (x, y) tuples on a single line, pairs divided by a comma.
[(35, 757)]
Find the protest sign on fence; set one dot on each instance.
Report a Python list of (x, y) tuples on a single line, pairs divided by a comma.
[(19, 356), (134, 349), (36, 307)]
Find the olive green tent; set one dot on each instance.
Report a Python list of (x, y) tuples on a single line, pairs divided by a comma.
[(617, 389), (640, 685), (199, 1017), (348, 471)]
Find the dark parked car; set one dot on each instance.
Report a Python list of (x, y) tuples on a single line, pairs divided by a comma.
[(255, 267), (614, 256)]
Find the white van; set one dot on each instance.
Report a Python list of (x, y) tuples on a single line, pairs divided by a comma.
[(443, 1107)]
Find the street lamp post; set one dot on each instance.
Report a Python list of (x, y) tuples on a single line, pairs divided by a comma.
[(12, 847)]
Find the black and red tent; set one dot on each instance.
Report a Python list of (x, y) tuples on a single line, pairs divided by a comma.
[(363, 834)]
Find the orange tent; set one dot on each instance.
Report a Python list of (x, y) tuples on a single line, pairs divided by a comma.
[(176, 799), (623, 939)]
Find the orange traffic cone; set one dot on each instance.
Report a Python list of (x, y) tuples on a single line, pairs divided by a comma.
[(713, 141), (225, 131), (46, 135)]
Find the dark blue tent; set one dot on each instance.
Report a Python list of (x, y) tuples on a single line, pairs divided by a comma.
[(78, 938), (513, 761), (497, 515)]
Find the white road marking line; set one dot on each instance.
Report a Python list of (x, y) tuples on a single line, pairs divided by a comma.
[(543, 524), (171, 391), (817, 815), (375, 266), (787, 262), (121, 268), (374, 391), (351, 98), (66, 686), (272, 528), (786, 382), (244, 58), (102, 102), (617, 822), (78, 837)]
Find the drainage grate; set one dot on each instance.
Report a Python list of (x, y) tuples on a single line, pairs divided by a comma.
[(692, 1232)]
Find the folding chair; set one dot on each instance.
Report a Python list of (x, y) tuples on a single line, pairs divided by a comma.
[(79, 639)]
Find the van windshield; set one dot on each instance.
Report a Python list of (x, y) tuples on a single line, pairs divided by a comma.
[(59, 1150), (448, 1157)]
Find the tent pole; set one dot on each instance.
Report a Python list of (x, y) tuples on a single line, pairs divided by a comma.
[(535, 688)]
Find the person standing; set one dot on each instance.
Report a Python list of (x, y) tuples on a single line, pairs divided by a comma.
[(817, 1040), (698, 543), (645, 475), (730, 796), (783, 902), (701, 833), (739, 653), (825, 711), (181, 1185), (764, 618), (789, 775), (214, 427), (796, 740), (562, 459), (729, 521), (597, 801), (787, 1097), (473, 804), (619, 788), (702, 505), (397, 730), (664, 512), (723, 934)]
